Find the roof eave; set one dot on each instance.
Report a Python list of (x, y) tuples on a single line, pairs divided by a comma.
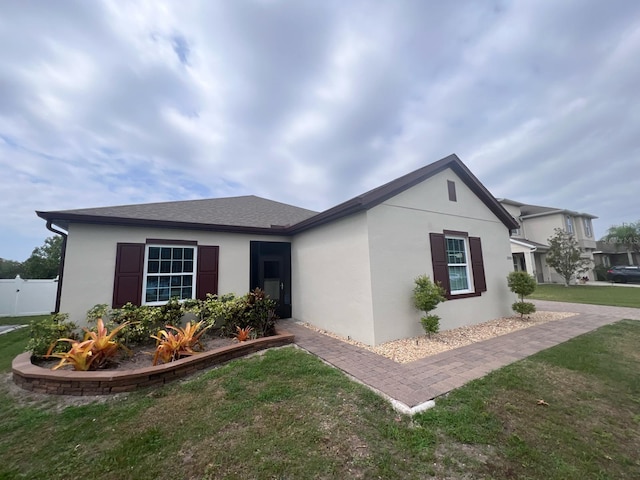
[(63, 219)]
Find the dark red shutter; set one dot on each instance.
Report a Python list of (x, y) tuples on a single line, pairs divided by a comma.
[(439, 261), (127, 286), (477, 264), (207, 276)]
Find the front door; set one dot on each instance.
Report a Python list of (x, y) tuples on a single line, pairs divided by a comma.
[(271, 271)]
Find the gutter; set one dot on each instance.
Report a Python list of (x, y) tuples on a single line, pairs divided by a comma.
[(63, 252)]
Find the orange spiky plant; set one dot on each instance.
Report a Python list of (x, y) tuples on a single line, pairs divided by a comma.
[(243, 334), (171, 346), (93, 352)]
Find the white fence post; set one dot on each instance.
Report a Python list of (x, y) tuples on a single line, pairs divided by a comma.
[(19, 297)]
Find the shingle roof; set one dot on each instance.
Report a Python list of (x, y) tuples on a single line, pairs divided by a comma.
[(255, 214), (246, 211), (530, 210)]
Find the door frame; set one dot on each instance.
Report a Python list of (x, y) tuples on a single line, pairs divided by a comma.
[(260, 252)]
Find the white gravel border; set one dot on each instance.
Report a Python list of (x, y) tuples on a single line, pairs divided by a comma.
[(411, 349)]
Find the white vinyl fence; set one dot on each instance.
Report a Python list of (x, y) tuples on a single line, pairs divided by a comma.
[(27, 297)]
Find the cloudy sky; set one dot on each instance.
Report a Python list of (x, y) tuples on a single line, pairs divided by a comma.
[(313, 102)]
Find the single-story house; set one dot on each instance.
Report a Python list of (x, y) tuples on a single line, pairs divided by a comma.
[(349, 269)]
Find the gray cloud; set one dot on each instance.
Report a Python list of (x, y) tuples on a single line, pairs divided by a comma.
[(313, 102)]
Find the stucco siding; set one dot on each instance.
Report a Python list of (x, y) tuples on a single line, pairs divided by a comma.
[(331, 278), (400, 251), (91, 256)]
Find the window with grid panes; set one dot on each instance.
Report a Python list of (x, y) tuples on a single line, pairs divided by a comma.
[(169, 273)]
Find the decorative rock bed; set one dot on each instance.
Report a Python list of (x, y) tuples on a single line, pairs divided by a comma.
[(68, 382)]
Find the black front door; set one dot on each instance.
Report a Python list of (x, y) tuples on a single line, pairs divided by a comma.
[(271, 271)]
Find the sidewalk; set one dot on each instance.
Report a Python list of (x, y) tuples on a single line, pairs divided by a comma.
[(414, 385), (9, 328)]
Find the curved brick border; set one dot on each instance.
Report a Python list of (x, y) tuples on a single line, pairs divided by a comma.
[(68, 382)]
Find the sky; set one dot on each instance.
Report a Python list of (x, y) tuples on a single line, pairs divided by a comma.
[(313, 102)]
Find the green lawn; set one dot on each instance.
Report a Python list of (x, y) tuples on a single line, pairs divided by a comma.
[(287, 415), (19, 320), (597, 295)]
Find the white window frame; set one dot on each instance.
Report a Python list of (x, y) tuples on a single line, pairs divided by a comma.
[(467, 265), (146, 274), (568, 221), (586, 223), (515, 231)]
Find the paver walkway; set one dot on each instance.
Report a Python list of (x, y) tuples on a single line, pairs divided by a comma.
[(418, 382)]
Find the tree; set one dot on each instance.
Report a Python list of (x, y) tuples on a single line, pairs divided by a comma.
[(627, 235), (426, 296), (45, 260), (10, 268), (522, 284), (565, 256)]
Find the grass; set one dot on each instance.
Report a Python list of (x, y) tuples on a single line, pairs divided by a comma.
[(285, 414), (596, 295), (20, 320)]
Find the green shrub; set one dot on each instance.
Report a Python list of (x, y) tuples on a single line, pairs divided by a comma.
[(522, 284), (523, 308), (431, 324), (255, 310), (45, 332), (426, 296)]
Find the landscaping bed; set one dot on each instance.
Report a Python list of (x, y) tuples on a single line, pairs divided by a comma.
[(136, 372)]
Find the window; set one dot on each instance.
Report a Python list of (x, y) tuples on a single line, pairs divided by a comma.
[(458, 266), (451, 188), (153, 272), (587, 227), (515, 232), (169, 272), (569, 223)]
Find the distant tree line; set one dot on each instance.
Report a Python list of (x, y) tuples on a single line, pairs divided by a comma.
[(43, 262)]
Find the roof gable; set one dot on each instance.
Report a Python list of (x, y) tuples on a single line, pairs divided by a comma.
[(254, 214), (384, 192)]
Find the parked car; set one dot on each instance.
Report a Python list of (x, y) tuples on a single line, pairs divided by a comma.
[(624, 274)]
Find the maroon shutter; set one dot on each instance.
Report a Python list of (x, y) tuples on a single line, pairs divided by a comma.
[(207, 277), (439, 261), (477, 265), (127, 286)]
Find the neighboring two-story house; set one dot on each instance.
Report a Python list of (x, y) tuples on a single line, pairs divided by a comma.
[(529, 242)]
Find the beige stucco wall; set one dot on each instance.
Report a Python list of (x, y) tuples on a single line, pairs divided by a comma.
[(399, 251), (331, 281), (91, 256)]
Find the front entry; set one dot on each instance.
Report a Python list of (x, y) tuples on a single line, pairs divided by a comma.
[(271, 271)]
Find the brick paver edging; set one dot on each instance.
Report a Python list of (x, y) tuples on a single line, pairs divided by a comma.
[(67, 382)]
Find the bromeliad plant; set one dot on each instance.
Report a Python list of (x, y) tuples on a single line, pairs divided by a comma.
[(94, 351), (243, 334), (174, 343)]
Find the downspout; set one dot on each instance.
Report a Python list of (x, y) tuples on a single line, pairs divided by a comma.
[(63, 252)]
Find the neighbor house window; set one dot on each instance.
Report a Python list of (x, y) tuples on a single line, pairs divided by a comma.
[(587, 227), (169, 273), (515, 231), (458, 265), (569, 223)]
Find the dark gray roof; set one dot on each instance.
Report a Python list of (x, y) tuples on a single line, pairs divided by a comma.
[(246, 211), (252, 214), (526, 209), (609, 247)]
